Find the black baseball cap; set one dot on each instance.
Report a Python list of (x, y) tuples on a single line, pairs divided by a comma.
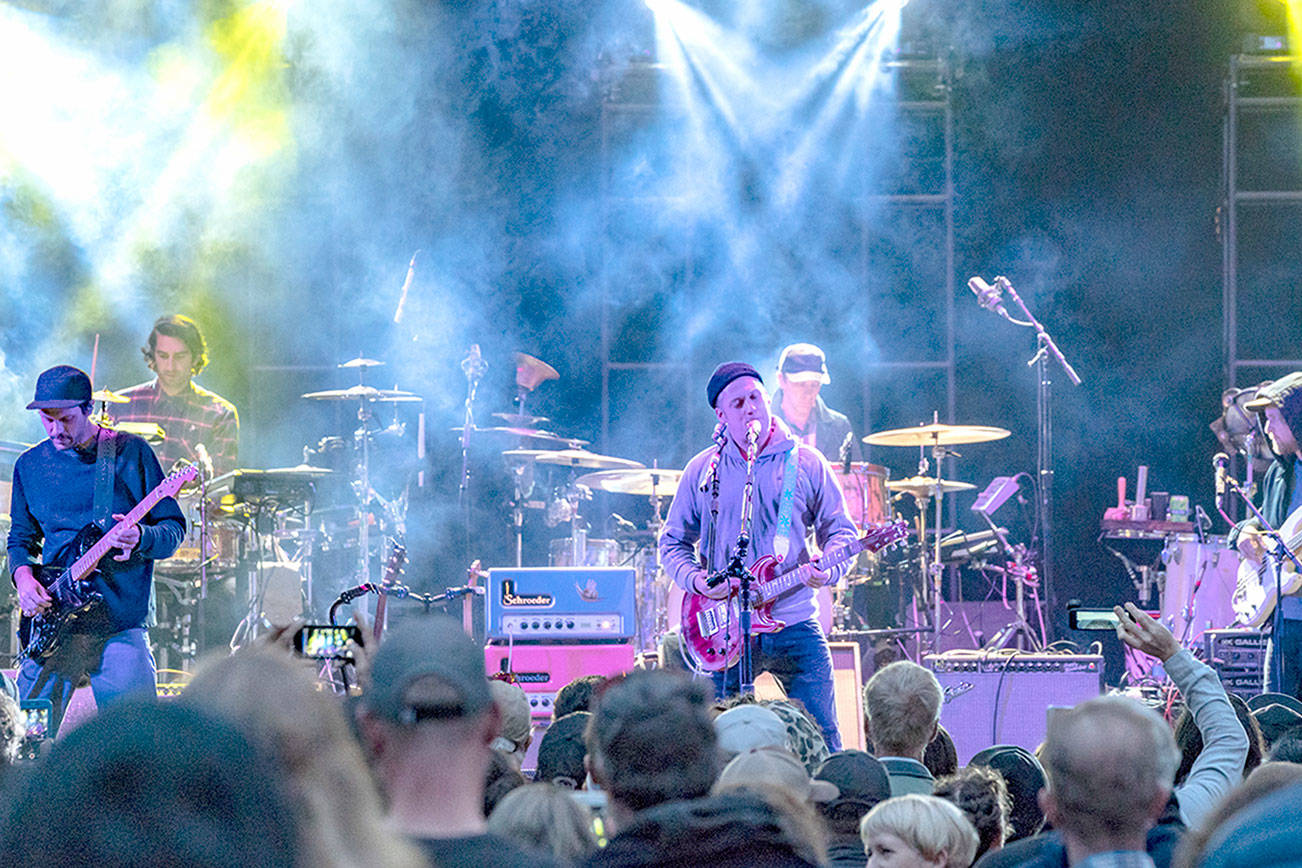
[(61, 387)]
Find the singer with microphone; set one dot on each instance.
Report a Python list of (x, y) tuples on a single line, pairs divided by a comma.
[(794, 496), (1279, 408)]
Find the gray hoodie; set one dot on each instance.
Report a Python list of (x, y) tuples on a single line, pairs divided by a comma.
[(818, 505)]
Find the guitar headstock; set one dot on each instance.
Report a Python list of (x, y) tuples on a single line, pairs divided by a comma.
[(173, 482), (396, 564), (879, 536)]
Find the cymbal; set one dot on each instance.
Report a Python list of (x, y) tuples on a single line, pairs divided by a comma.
[(646, 481), (521, 419), (16, 448), (572, 458), (364, 393), (300, 471), (108, 396), (926, 485), (530, 433), (360, 362), (936, 434), (151, 431), (531, 372)]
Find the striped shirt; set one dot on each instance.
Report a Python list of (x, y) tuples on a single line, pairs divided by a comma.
[(193, 417)]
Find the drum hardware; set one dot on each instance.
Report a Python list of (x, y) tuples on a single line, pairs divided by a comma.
[(938, 436), (152, 432), (108, 396)]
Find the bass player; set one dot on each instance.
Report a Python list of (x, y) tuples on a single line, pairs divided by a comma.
[(53, 499), (1279, 405), (785, 472)]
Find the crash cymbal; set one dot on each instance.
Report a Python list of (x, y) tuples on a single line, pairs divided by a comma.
[(359, 362), (108, 396), (531, 372), (364, 393), (647, 481), (936, 434), (530, 433), (573, 458), (925, 485), (521, 420)]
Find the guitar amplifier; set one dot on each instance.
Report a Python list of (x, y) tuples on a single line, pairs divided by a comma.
[(1239, 658), (542, 670), (1004, 698), (560, 604)]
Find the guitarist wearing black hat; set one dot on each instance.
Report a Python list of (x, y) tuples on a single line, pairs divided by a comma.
[(78, 495)]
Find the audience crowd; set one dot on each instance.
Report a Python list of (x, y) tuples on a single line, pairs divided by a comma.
[(259, 762)]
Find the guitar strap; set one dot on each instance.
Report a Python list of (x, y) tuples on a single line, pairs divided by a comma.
[(782, 537), (105, 463)]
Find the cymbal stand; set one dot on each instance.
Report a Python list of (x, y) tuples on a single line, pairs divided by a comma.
[(474, 367)]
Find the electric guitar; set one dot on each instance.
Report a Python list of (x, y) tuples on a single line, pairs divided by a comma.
[(392, 570), (1254, 592), (73, 589), (711, 629)]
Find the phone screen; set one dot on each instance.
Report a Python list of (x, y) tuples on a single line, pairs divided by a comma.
[(325, 642)]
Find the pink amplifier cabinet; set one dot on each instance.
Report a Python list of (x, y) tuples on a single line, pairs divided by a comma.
[(542, 670)]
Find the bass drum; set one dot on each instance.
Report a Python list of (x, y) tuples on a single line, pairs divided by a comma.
[(1198, 591)]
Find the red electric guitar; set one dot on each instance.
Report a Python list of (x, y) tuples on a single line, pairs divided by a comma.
[(712, 628)]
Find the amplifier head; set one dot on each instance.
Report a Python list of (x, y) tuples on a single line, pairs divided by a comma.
[(559, 603)]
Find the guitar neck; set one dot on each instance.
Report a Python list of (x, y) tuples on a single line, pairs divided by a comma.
[(785, 580)]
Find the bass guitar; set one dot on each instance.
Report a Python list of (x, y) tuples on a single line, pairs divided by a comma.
[(73, 589), (711, 629), (1254, 591)]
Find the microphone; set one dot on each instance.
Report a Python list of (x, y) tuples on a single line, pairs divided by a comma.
[(752, 435), (205, 460), (1220, 460), (473, 365), (987, 296)]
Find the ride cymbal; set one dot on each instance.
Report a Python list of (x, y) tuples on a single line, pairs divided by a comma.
[(645, 481), (573, 458), (936, 434), (364, 393), (926, 485)]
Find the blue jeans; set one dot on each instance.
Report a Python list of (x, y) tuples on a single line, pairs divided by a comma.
[(798, 657), (1288, 645), (118, 666)]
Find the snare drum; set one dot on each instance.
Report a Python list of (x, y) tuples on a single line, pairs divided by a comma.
[(866, 497)]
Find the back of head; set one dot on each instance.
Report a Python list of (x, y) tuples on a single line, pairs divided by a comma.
[(1264, 834), (932, 826), (1189, 739), (1024, 777), (980, 793), (651, 739), (746, 727), (862, 782), (152, 784), (739, 829), (274, 700), (941, 756), (12, 728), (1288, 747), (902, 704), (1267, 778), (545, 818), (1110, 764), (804, 736), (576, 696), (561, 752), (516, 724)]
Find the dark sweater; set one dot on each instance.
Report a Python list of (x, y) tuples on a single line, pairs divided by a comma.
[(53, 498)]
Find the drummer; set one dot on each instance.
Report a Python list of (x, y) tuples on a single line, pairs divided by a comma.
[(802, 373), (189, 414)]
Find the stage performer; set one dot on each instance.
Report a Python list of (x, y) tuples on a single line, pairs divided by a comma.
[(802, 373), (53, 498), (189, 414), (785, 471), (1279, 407)]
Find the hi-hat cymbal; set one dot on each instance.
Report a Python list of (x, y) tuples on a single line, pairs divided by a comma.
[(936, 434), (530, 433), (531, 372), (362, 363), (151, 431), (572, 458), (108, 396), (300, 471), (364, 393), (926, 485), (646, 481)]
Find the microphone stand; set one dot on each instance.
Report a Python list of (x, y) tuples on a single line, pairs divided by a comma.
[(737, 569), (1277, 556), (1045, 348), (474, 367)]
